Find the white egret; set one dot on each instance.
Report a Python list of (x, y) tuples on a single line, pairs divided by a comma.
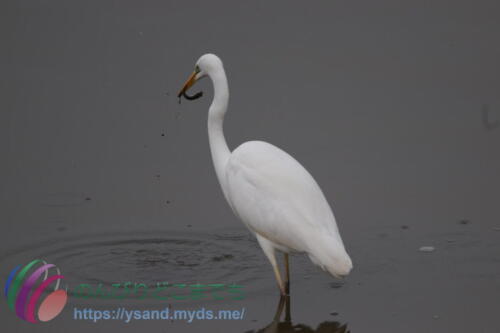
[(272, 194)]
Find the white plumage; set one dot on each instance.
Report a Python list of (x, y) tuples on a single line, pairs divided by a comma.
[(273, 194)]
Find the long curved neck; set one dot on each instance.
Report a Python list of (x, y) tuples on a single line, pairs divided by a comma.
[(218, 146)]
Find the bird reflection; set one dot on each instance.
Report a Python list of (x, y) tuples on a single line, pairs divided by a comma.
[(286, 326)]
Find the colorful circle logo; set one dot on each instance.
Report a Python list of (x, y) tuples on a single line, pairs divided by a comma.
[(24, 289)]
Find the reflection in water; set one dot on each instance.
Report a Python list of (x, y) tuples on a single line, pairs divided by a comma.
[(285, 326)]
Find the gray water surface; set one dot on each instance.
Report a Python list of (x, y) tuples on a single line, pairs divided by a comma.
[(392, 106)]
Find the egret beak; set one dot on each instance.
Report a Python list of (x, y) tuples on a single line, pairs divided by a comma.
[(190, 81)]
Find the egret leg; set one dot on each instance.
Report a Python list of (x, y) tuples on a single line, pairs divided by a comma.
[(279, 310), (268, 249), (288, 316), (274, 325), (287, 276)]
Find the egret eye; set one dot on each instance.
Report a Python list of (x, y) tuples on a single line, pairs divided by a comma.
[(197, 69)]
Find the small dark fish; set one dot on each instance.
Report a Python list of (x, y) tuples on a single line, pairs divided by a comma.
[(186, 96)]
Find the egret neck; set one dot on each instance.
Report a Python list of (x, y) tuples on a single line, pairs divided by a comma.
[(218, 146)]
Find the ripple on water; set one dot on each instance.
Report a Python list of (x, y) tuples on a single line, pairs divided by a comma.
[(174, 257)]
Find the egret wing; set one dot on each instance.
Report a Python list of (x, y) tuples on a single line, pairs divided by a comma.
[(275, 196)]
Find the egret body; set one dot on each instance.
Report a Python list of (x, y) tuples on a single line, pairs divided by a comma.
[(273, 194)]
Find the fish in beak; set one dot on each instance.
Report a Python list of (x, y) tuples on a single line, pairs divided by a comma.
[(190, 81)]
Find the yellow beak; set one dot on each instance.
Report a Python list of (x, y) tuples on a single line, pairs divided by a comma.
[(190, 81)]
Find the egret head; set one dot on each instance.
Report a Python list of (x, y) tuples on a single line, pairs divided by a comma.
[(205, 66)]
